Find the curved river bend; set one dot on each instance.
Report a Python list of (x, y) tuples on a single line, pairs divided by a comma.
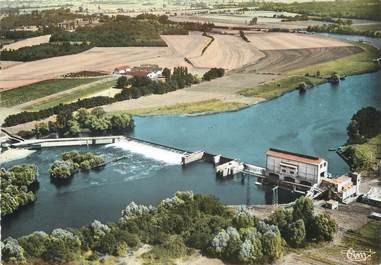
[(310, 123)]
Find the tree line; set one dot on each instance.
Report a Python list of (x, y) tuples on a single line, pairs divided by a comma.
[(361, 9), (343, 29), (82, 122), (176, 225), (18, 184), (42, 51)]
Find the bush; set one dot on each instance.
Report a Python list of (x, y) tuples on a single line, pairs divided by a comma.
[(213, 73)]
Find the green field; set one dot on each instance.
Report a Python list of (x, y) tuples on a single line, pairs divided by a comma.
[(13, 97), (208, 106), (71, 96), (277, 88)]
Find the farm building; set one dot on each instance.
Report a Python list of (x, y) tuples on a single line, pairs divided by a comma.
[(121, 70), (294, 167)]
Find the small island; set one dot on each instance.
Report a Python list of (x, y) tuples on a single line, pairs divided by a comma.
[(18, 185), (71, 162)]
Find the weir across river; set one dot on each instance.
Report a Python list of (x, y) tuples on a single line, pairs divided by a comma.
[(225, 166)]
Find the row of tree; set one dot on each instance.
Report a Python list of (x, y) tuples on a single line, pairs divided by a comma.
[(94, 122), (17, 185), (361, 9), (343, 29), (177, 224), (42, 51)]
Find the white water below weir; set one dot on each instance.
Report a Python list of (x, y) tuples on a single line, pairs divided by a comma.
[(149, 151)]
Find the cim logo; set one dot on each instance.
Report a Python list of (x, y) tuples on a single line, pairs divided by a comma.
[(358, 256)]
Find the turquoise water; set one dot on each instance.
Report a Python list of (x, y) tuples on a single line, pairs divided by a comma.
[(310, 123)]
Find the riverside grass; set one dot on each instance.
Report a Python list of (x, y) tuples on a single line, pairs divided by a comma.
[(208, 106)]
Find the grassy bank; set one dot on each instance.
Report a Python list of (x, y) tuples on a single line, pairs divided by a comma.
[(277, 88), (208, 106), (363, 156), (71, 96), (41, 89)]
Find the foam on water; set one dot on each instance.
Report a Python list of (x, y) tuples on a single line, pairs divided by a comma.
[(149, 151)]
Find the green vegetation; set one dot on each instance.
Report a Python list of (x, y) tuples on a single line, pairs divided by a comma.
[(362, 9), (94, 122), (358, 63), (208, 106), (365, 124), (213, 74), (366, 238), (122, 31), (277, 88), (178, 224), (137, 87), (70, 162), (41, 89), (343, 29), (364, 137), (71, 96), (16, 187), (46, 19), (42, 51)]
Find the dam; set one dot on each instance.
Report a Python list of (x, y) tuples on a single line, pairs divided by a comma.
[(225, 167)]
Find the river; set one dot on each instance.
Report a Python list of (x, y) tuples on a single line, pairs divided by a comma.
[(310, 123)]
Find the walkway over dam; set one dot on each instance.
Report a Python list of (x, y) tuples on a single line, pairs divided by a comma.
[(225, 167)]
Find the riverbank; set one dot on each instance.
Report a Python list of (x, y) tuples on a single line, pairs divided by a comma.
[(14, 154), (318, 74)]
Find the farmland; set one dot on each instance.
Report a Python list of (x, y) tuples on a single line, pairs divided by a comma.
[(27, 93)]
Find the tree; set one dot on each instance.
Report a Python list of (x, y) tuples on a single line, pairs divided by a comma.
[(272, 245), (303, 209), (353, 132), (323, 228), (121, 82), (12, 252), (251, 251), (167, 74), (74, 129), (98, 112), (34, 244), (121, 122), (296, 233)]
